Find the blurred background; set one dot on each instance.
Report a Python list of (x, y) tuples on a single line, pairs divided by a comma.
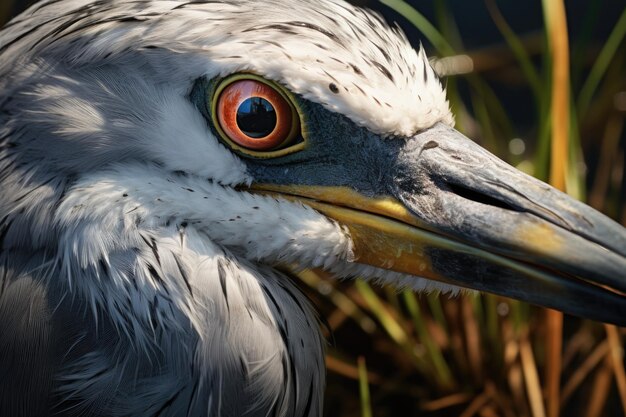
[(542, 84)]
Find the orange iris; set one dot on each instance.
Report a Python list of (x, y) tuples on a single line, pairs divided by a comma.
[(254, 115)]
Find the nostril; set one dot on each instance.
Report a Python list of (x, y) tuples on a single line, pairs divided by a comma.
[(479, 197), (431, 144)]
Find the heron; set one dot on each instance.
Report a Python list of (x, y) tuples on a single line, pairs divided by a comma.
[(167, 166)]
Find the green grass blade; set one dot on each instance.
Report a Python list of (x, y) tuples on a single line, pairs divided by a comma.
[(434, 303), (339, 299), (420, 22), (575, 178), (434, 353), (447, 25), (395, 331), (517, 48), (602, 63), (364, 390)]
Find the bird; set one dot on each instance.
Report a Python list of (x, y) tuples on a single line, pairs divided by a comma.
[(168, 166)]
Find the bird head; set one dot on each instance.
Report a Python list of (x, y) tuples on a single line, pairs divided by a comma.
[(307, 135)]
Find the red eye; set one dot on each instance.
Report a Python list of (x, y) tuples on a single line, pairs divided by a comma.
[(255, 116)]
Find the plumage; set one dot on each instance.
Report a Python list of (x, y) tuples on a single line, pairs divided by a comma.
[(161, 270), (140, 275)]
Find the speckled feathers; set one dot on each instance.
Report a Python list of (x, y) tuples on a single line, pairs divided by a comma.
[(137, 218), (343, 57)]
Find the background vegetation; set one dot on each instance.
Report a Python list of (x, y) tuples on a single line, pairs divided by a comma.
[(542, 85)]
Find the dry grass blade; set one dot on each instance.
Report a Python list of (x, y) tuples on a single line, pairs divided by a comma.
[(531, 378), (472, 338), (556, 21), (514, 374), (446, 402), (475, 405), (487, 411), (554, 347), (600, 392), (581, 343), (617, 358), (612, 133), (559, 49), (340, 367), (515, 378), (583, 371), (503, 402)]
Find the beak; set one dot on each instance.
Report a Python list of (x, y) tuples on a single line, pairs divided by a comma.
[(455, 213)]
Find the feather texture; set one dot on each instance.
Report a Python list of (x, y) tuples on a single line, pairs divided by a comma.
[(136, 278)]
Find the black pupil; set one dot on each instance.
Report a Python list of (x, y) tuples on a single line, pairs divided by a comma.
[(256, 117)]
